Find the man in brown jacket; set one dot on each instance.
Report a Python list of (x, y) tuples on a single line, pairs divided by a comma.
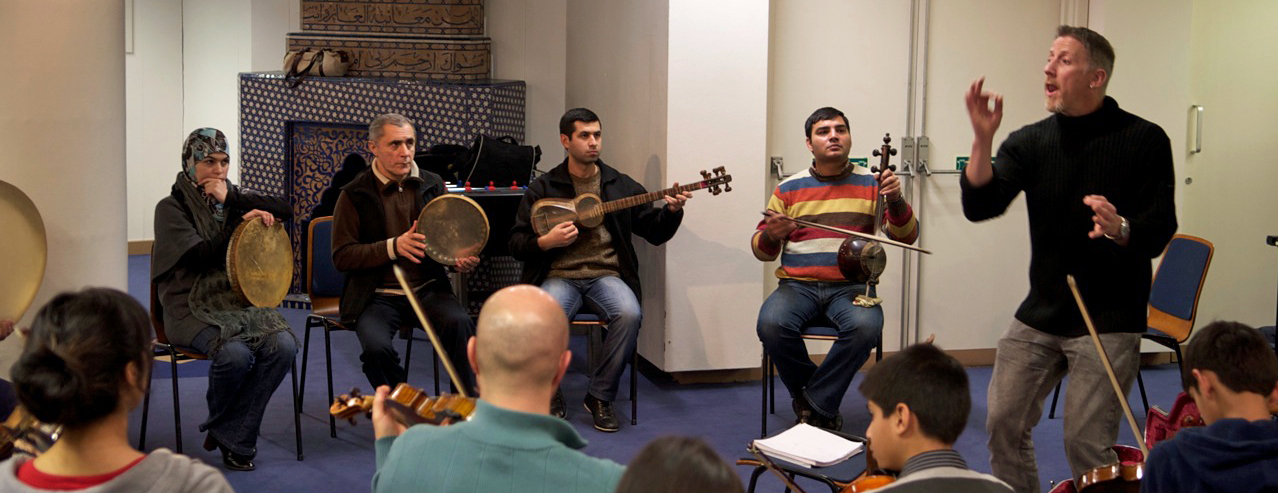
[(374, 227)]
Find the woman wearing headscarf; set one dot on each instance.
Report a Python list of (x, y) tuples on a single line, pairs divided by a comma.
[(250, 348)]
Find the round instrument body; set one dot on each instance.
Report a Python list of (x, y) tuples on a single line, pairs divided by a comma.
[(586, 204), (416, 406), (454, 226), (861, 261), (259, 263), (1114, 477), (25, 250)]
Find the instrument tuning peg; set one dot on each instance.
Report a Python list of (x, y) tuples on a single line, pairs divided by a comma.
[(720, 170), (876, 153), (727, 188), (892, 151), (715, 190), (887, 138), (705, 174)]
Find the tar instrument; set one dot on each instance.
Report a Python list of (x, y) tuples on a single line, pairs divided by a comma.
[(1126, 475), (408, 405), (454, 226), (259, 263), (588, 210), (24, 249)]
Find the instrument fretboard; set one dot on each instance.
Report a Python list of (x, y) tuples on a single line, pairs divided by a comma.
[(644, 198)]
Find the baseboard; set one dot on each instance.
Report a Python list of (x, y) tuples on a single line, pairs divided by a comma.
[(140, 247)]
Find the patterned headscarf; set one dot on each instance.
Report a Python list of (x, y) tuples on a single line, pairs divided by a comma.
[(200, 144)]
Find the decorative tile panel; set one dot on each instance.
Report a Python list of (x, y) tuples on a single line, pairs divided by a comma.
[(416, 17)]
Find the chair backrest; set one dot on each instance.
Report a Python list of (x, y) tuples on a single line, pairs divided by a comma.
[(323, 280), (1173, 298), (157, 315)]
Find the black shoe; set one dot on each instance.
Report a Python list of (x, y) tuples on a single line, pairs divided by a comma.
[(605, 418), (557, 407), (830, 423), (802, 411), (232, 460)]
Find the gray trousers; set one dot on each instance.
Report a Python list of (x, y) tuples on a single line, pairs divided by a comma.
[(1027, 367)]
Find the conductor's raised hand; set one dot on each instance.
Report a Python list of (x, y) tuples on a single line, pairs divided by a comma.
[(778, 226), (984, 120), (889, 185), (562, 235), (384, 424), (676, 201), (410, 245), (1105, 218)]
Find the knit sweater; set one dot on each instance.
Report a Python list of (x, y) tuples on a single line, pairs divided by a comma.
[(1058, 161), (845, 201), (162, 471)]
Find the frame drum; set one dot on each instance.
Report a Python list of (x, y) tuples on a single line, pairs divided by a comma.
[(259, 262), (24, 249), (454, 226)]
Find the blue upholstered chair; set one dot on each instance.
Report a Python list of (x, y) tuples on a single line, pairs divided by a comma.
[(819, 329), (1173, 299)]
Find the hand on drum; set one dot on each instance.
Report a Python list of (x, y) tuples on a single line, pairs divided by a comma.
[(467, 264), (778, 227), (410, 245), (215, 187), (889, 185), (675, 202), (562, 235), (268, 219), (384, 425)]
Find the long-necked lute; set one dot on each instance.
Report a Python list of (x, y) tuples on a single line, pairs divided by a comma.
[(588, 210)]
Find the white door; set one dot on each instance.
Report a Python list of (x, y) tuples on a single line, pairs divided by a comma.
[(971, 285)]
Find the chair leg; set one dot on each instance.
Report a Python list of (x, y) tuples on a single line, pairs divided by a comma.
[(408, 356), (306, 351), (328, 363), (763, 407), (1052, 413), (1140, 382), (754, 477), (435, 369), (177, 407), (297, 412), (634, 384), (772, 387), (146, 408)]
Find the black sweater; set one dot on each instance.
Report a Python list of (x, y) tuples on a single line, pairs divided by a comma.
[(1058, 161)]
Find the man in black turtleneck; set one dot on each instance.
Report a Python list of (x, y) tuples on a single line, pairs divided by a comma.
[(1098, 187)]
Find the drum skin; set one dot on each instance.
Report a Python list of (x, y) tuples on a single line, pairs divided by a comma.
[(454, 226), (25, 251), (259, 263)]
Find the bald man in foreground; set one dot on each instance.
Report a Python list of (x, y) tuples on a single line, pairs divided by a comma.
[(519, 355)]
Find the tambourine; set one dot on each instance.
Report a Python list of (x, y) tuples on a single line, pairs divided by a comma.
[(24, 249), (259, 263), (454, 226)]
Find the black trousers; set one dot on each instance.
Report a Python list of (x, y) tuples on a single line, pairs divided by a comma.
[(383, 317)]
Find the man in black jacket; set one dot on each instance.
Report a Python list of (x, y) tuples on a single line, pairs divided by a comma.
[(1098, 189), (375, 227), (598, 265)]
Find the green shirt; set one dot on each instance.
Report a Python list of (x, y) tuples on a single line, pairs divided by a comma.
[(496, 450)]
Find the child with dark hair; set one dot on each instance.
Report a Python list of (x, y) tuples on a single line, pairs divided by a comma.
[(1232, 374), (676, 464), (86, 364), (919, 401)]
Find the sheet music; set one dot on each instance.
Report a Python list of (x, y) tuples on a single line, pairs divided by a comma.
[(809, 446)]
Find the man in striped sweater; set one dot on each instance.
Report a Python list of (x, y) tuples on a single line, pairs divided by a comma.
[(836, 193)]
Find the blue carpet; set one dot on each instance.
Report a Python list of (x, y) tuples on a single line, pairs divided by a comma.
[(725, 415)]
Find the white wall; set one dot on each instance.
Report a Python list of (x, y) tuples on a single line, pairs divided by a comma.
[(717, 116), (183, 74), (529, 43), (62, 131), (153, 108)]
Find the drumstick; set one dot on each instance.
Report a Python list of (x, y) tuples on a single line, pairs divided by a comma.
[(434, 340), (848, 232), (1118, 390)]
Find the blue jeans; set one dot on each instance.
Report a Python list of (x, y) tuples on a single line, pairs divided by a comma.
[(241, 381), (616, 304), (383, 317), (792, 307)]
